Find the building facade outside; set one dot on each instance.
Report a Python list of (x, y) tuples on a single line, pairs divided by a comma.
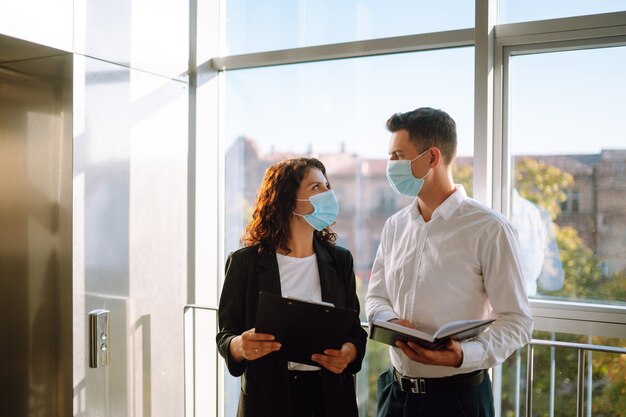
[(595, 205)]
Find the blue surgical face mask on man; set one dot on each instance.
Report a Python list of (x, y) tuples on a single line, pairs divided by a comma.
[(325, 210), (401, 177)]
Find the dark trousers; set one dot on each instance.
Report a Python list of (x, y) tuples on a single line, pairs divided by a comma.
[(306, 391), (472, 402)]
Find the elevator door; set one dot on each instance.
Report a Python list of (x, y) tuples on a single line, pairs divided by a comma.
[(35, 231)]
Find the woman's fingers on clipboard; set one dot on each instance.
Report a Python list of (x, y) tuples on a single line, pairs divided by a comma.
[(256, 345), (336, 360)]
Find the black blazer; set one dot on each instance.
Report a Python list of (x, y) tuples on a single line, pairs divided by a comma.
[(265, 382)]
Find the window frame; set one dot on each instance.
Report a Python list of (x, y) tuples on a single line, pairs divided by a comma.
[(565, 34), (494, 45)]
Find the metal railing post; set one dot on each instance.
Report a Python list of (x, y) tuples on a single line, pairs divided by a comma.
[(518, 378), (580, 384), (529, 381), (552, 376)]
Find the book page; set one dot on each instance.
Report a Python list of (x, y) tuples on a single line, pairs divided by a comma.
[(457, 326)]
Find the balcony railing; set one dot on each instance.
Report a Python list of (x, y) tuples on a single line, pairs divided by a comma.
[(201, 348), (583, 350)]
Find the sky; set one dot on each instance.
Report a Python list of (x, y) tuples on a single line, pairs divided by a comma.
[(561, 103)]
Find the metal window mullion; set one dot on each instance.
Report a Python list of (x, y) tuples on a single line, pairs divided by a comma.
[(567, 26), (484, 36), (356, 49), (548, 46), (502, 183), (581, 36)]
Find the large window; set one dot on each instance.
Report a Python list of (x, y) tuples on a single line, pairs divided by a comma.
[(553, 141), (569, 162)]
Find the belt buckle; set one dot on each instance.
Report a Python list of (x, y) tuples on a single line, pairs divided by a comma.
[(413, 385)]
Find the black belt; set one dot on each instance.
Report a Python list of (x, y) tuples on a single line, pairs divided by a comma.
[(435, 385)]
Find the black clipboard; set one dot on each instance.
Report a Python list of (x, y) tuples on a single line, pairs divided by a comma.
[(302, 327)]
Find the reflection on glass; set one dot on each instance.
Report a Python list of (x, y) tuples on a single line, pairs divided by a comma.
[(254, 26), (541, 260), (570, 168), (336, 111), (511, 11)]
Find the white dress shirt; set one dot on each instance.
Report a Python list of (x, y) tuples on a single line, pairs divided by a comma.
[(463, 264)]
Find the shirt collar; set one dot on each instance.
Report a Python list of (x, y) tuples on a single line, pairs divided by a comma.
[(446, 208)]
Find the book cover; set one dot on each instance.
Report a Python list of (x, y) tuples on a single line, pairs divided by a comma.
[(388, 333)]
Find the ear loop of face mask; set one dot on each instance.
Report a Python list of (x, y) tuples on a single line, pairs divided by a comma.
[(418, 156)]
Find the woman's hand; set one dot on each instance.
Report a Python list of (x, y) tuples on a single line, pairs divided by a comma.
[(251, 346), (336, 360)]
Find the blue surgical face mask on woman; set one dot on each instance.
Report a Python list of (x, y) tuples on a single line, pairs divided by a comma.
[(401, 177), (325, 210)]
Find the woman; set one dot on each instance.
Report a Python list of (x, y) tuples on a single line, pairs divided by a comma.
[(289, 250)]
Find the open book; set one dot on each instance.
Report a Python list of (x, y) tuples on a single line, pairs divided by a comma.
[(387, 332)]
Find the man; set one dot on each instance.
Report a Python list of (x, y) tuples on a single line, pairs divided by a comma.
[(445, 257)]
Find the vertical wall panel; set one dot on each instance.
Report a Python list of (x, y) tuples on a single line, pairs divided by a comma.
[(130, 230)]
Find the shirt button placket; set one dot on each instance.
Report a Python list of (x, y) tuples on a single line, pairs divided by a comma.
[(418, 256)]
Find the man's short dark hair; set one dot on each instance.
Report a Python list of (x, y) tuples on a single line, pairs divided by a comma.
[(427, 127)]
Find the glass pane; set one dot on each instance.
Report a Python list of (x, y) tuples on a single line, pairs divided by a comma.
[(254, 26), (376, 362), (511, 11), (336, 111), (569, 157)]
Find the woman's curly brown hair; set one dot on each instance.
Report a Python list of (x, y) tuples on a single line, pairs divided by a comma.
[(275, 204)]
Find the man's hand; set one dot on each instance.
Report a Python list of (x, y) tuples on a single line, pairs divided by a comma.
[(451, 355), (336, 360), (250, 345)]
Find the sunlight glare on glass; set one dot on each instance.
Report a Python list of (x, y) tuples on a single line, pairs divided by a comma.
[(255, 26)]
